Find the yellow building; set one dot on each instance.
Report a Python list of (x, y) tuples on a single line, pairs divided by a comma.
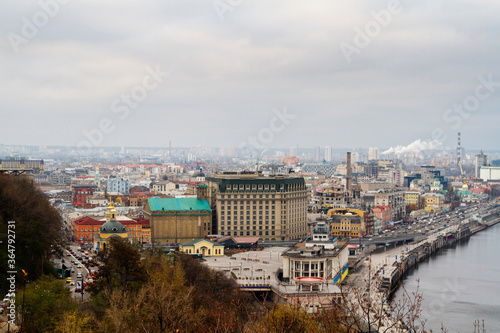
[(112, 228), (204, 247), (347, 222), (36, 166), (432, 199), (412, 198), (431, 209)]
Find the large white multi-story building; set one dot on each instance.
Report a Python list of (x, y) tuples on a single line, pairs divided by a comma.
[(118, 184), (373, 153), (328, 153), (490, 173)]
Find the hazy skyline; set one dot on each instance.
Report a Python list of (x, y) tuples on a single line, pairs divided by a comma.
[(220, 73)]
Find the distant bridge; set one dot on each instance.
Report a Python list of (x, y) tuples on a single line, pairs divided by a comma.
[(383, 241), (15, 171)]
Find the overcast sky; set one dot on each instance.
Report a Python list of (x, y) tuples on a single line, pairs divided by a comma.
[(343, 75)]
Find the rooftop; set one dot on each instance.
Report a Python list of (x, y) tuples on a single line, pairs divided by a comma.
[(178, 204)]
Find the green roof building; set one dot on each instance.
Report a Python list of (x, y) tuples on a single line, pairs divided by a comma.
[(177, 220)]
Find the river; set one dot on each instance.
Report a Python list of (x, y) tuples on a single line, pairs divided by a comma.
[(461, 284)]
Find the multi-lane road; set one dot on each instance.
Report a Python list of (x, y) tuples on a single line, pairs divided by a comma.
[(77, 260), (425, 226)]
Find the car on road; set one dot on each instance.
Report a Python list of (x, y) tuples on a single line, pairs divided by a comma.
[(69, 280), (79, 266)]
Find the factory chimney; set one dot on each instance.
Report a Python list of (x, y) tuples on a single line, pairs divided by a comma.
[(348, 173)]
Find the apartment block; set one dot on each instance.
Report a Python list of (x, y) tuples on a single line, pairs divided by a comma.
[(250, 204)]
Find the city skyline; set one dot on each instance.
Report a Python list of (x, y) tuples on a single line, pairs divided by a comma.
[(247, 74)]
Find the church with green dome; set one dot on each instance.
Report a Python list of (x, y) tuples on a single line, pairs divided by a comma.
[(111, 228)]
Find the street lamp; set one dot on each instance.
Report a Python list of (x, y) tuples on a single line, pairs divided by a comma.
[(82, 288)]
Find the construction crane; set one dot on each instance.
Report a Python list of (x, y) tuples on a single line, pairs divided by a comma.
[(444, 168), (462, 172)]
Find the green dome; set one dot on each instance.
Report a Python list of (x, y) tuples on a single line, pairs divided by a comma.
[(112, 227)]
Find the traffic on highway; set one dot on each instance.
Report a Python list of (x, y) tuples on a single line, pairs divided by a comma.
[(436, 222)]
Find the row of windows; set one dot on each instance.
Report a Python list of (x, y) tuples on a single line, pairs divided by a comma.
[(248, 213), (248, 202), (247, 221), (242, 187), (248, 233), (248, 196), (216, 251), (242, 227), (95, 229)]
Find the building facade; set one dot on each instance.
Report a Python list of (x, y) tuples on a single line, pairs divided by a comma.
[(163, 187), (178, 220), (249, 204), (81, 194), (37, 166), (204, 247), (59, 179), (86, 229), (412, 199), (118, 184), (489, 173), (393, 198), (316, 261), (346, 222), (481, 160), (384, 213)]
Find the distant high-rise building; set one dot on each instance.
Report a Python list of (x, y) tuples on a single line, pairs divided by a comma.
[(316, 153), (328, 153), (293, 151), (280, 153), (355, 158), (373, 153), (228, 151), (481, 160)]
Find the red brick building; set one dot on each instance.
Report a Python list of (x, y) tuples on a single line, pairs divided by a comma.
[(384, 213), (81, 193), (86, 228)]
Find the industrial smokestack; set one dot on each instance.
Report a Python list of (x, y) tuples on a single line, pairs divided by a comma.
[(348, 173)]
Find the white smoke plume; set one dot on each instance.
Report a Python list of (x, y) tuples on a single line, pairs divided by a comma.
[(416, 147)]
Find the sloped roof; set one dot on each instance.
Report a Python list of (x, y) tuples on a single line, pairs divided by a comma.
[(196, 241), (178, 204), (239, 240)]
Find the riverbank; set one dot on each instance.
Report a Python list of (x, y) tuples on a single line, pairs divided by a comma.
[(459, 284)]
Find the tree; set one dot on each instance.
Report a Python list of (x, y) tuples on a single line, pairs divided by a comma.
[(365, 308), (73, 322), (285, 318), (43, 304), (121, 268), (37, 227)]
